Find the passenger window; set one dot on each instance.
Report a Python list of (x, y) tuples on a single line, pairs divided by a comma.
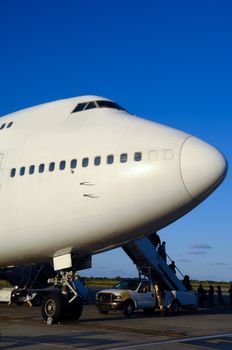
[(85, 162), (10, 124), (51, 166), (168, 154), (110, 159), (41, 168), (22, 171), (123, 157), (73, 164), (2, 126), (137, 156), (153, 155), (31, 169), (13, 172), (90, 105), (97, 160), (62, 164)]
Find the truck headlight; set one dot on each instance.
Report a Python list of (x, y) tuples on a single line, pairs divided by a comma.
[(117, 298)]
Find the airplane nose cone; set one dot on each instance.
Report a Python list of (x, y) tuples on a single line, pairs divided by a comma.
[(202, 167)]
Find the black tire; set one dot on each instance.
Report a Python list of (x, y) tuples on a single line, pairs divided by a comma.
[(175, 307), (53, 306), (74, 309), (37, 300), (128, 308), (149, 311), (194, 308)]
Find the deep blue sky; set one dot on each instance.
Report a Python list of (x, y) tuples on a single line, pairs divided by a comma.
[(167, 60)]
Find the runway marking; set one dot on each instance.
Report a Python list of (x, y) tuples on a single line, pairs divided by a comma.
[(184, 340), (57, 345), (216, 341), (211, 338)]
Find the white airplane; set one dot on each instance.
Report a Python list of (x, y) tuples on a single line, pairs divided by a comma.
[(82, 175)]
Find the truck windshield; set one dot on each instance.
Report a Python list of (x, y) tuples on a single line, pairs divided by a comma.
[(127, 284)]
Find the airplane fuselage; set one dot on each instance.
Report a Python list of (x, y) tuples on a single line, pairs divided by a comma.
[(90, 180)]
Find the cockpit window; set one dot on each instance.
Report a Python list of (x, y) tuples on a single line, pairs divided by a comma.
[(80, 107), (96, 104), (109, 104), (90, 105)]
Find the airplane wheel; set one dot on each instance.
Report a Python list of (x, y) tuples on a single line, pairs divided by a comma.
[(37, 301), (128, 308), (74, 309), (53, 306)]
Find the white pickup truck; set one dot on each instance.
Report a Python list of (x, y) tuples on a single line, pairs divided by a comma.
[(134, 294)]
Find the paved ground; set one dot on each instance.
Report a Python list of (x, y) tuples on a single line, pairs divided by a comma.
[(21, 327)]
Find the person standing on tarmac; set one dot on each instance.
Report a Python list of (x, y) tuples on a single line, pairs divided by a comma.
[(230, 294), (211, 296), (220, 297), (201, 296)]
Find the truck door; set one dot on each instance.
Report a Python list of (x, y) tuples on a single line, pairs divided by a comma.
[(149, 296), (145, 296)]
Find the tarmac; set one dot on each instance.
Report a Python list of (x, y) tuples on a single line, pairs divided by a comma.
[(22, 327)]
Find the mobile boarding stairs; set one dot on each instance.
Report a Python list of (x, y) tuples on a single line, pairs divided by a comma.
[(150, 264)]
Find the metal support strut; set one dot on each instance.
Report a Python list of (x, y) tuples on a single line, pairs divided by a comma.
[(65, 280)]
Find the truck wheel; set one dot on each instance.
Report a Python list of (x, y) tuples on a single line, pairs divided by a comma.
[(74, 309), (175, 306), (53, 306), (104, 312), (128, 308), (194, 308)]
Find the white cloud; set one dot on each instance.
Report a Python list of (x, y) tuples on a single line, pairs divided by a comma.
[(201, 246)]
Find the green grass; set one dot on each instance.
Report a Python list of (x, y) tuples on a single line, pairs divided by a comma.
[(206, 284), (4, 283), (103, 282), (99, 282)]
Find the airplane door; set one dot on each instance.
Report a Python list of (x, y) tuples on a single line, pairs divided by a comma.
[(1, 168)]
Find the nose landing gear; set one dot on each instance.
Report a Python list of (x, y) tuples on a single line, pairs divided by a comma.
[(64, 302)]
